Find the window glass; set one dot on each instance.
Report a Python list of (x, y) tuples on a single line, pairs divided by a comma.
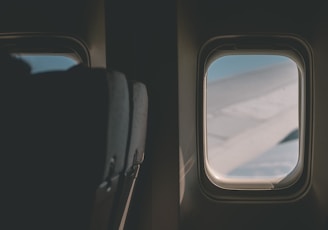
[(47, 62), (252, 121)]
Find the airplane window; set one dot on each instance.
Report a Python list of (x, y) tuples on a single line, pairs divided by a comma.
[(252, 121), (48, 62)]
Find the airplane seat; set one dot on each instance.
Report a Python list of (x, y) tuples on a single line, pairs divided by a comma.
[(70, 134), (136, 149), (13, 124)]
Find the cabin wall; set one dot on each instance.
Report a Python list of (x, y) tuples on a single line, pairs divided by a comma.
[(81, 19), (142, 43), (200, 21)]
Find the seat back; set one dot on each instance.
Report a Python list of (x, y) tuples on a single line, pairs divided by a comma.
[(135, 154), (67, 138), (110, 211)]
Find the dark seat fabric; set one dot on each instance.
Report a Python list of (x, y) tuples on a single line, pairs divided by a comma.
[(69, 114), (61, 129)]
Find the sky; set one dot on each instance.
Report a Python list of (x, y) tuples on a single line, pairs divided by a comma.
[(231, 65), (41, 63)]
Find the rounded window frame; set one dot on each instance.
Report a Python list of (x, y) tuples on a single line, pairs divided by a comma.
[(46, 43), (300, 52)]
